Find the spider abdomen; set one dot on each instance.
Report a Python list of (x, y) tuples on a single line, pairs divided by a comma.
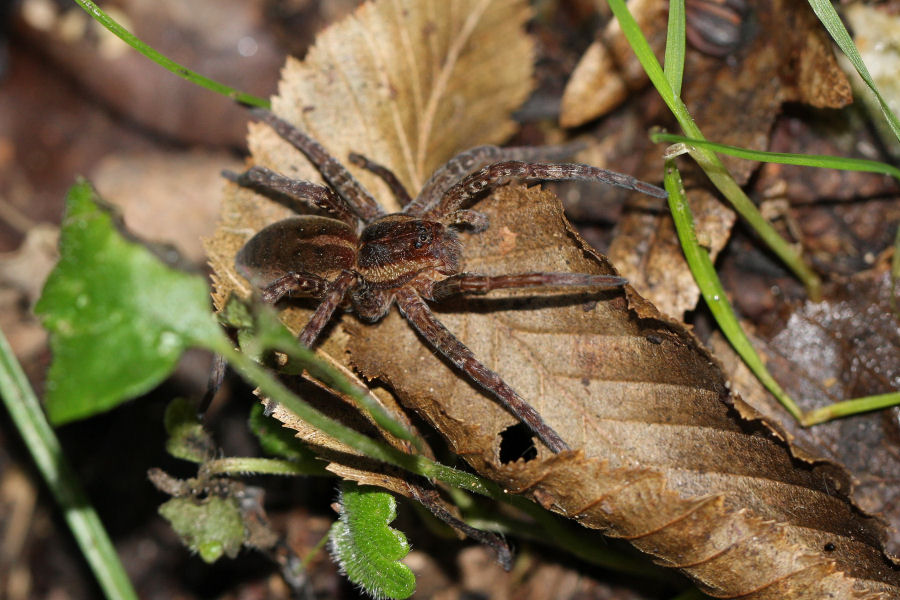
[(311, 244)]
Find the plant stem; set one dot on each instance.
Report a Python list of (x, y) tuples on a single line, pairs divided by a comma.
[(713, 292), (45, 449), (129, 38), (262, 466), (850, 407)]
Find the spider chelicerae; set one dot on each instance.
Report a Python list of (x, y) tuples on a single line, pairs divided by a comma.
[(363, 259)]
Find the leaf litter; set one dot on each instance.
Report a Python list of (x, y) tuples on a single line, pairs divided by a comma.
[(667, 457)]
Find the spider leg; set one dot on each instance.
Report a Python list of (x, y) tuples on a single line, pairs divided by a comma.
[(429, 499), (358, 199), (475, 283), (267, 182), (386, 175), (294, 284), (441, 339), (501, 173), (336, 292), (464, 217), (465, 162)]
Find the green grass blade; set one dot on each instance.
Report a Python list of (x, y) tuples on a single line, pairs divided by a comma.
[(850, 407), (26, 413), (675, 44), (712, 290), (832, 22), (707, 159), (784, 158), (126, 36)]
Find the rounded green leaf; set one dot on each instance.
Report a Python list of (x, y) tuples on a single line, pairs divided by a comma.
[(118, 317)]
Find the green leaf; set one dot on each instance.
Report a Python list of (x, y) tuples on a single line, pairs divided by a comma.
[(210, 528), (675, 46), (366, 547), (785, 158), (187, 438), (275, 439), (118, 318)]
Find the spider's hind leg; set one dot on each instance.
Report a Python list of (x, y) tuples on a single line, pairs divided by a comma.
[(488, 178)]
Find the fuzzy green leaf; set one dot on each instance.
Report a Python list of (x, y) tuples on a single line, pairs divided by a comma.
[(118, 318), (365, 545), (210, 528)]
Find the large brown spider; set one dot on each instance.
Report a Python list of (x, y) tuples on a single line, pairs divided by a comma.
[(367, 260)]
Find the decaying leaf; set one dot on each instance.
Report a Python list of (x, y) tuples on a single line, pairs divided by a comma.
[(665, 456), (786, 57), (847, 346)]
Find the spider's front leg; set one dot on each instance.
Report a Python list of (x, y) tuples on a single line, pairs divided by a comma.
[(303, 193), (441, 339), (482, 181), (475, 283), (337, 291)]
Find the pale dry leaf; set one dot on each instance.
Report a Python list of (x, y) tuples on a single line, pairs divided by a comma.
[(608, 69), (406, 83), (166, 196)]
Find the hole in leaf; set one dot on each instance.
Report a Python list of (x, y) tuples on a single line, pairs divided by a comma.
[(517, 442)]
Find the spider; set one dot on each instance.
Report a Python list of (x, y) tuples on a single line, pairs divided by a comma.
[(365, 260)]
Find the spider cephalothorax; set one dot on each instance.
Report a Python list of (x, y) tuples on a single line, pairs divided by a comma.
[(366, 260)]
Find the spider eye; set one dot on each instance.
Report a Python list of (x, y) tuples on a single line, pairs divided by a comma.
[(423, 238)]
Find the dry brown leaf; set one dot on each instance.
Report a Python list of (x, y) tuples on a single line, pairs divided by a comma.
[(663, 458)]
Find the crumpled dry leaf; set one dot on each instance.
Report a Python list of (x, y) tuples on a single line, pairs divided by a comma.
[(789, 59), (664, 457)]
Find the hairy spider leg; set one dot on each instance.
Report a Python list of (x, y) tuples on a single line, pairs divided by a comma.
[(429, 498), (465, 162), (461, 218), (386, 175), (498, 174), (265, 181), (476, 283), (295, 284), (358, 199), (441, 339), (335, 296)]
